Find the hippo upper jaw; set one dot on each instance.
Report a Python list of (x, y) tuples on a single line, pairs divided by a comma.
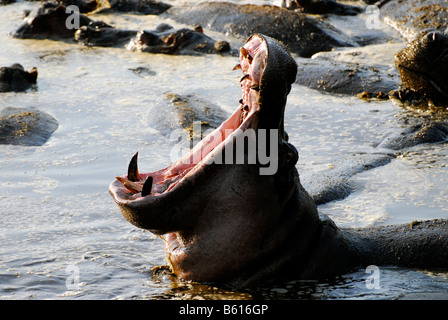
[(219, 218)]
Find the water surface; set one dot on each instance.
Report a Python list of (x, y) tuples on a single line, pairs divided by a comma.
[(62, 236)]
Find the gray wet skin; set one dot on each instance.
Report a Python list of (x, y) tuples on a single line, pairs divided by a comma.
[(228, 224)]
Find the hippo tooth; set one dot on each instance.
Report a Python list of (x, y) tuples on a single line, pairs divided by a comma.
[(147, 187), (131, 186), (246, 76), (133, 174), (255, 87), (245, 54), (238, 66)]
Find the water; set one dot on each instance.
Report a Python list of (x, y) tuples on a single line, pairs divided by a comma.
[(63, 237)]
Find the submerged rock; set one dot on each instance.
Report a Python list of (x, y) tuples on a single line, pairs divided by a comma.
[(26, 126), (187, 112)]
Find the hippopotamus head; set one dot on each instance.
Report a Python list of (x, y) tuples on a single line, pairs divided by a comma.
[(50, 21), (182, 41), (423, 66), (225, 219), (103, 36), (16, 78)]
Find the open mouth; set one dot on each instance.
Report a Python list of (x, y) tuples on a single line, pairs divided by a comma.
[(136, 187)]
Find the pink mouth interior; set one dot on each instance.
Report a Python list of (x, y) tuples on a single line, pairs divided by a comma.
[(253, 58)]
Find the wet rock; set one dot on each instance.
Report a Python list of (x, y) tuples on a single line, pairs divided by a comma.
[(134, 6), (413, 17), (26, 126), (140, 6), (15, 78), (84, 6), (423, 67), (142, 71), (423, 132), (344, 78), (302, 34), (186, 112), (319, 7)]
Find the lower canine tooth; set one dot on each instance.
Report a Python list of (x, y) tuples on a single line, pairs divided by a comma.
[(147, 187), (244, 77)]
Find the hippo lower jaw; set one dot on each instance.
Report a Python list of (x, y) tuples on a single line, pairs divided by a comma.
[(136, 191)]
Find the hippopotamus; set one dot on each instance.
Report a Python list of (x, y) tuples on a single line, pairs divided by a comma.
[(26, 126), (164, 39), (16, 78), (242, 223), (303, 34), (319, 7), (49, 21)]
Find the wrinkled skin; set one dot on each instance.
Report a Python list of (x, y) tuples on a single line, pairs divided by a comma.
[(15, 78), (423, 66), (49, 22), (228, 223)]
